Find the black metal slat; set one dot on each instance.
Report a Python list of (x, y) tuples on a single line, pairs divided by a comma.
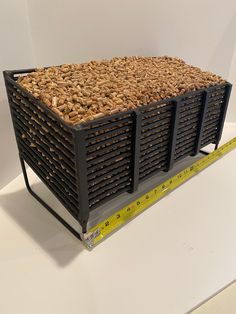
[(153, 152), (158, 140), (149, 150), (49, 174), (98, 202), (107, 182), (188, 143), (151, 109), (52, 187), (154, 115), (108, 175), (208, 140), (45, 150), (61, 176), (184, 155), (156, 119), (190, 113), (113, 188), (101, 128), (154, 157), (65, 150), (116, 141), (110, 133), (108, 149), (108, 163), (107, 168), (52, 122), (105, 120), (211, 125), (187, 118), (154, 171), (44, 144), (30, 113), (187, 132), (160, 164), (154, 131), (147, 136), (155, 125), (109, 157), (44, 173), (185, 107)]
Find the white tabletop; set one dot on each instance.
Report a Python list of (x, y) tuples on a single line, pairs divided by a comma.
[(169, 259)]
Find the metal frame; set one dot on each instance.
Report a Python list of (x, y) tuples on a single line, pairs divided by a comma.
[(157, 123), (44, 204), (136, 150), (172, 148)]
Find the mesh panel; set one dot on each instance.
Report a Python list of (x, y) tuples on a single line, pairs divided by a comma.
[(46, 145), (215, 109), (109, 159), (155, 138)]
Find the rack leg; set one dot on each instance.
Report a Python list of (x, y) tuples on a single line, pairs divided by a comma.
[(42, 202), (206, 153)]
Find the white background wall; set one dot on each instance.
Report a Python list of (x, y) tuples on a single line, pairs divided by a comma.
[(201, 32), (16, 52)]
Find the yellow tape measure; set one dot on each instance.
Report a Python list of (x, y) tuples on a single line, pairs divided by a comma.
[(115, 221)]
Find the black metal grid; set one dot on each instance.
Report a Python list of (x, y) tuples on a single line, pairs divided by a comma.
[(87, 165)]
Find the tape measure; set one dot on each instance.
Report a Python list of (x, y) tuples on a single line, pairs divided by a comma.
[(121, 217)]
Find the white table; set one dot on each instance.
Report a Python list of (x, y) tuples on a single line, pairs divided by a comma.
[(168, 260)]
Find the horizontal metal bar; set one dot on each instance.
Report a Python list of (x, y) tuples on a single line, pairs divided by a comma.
[(10, 81), (46, 172), (109, 156), (54, 151), (53, 188), (154, 171), (45, 151), (109, 175), (107, 183), (103, 193), (157, 165), (51, 168), (115, 124), (153, 125), (101, 201), (41, 124), (106, 169), (108, 149)]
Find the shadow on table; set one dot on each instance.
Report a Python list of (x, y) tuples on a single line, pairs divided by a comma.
[(34, 219)]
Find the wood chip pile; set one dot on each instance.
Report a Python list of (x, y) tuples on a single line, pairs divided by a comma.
[(83, 92)]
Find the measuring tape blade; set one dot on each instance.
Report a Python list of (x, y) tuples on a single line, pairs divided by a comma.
[(121, 217)]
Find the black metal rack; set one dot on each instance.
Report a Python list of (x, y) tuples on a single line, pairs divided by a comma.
[(86, 165)]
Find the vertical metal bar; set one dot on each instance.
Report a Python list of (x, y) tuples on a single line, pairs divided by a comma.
[(171, 156), (136, 134), (43, 203), (201, 121), (228, 88), (7, 74), (82, 179)]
